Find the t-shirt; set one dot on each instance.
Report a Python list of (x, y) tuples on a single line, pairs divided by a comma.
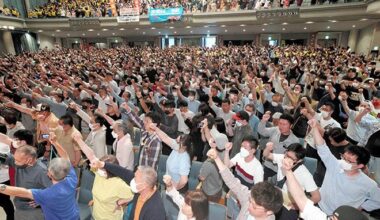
[(326, 124), (302, 174), (248, 173), (311, 212), (32, 177), (177, 165), (58, 201), (213, 181), (105, 200), (354, 130)]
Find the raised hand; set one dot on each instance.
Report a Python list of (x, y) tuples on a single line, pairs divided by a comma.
[(312, 123), (266, 116), (212, 154), (228, 146), (269, 146)]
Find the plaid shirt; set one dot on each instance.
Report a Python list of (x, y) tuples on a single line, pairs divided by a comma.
[(150, 144)]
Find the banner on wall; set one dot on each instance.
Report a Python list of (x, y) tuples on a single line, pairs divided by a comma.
[(128, 14), (165, 14)]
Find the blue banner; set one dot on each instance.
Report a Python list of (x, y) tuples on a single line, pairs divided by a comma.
[(165, 14)]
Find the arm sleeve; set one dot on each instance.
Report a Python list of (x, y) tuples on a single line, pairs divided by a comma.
[(327, 157), (170, 129), (373, 200), (177, 198), (267, 132), (137, 121), (38, 196), (122, 173)]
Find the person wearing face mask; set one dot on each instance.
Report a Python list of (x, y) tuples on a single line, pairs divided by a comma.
[(151, 144), (57, 200), (324, 117), (247, 168), (191, 101), (275, 105), (296, 153), (239, 131), (118, 192), (29, 172), (58, 107), (253, 119), (169, 123), (193, 207), (224, 111), (96, 140), (281, 136), (262, 202), (344, 178)]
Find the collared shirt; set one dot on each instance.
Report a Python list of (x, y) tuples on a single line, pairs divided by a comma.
[(44, 127), (67, 142), (123, 149), (150, 143)]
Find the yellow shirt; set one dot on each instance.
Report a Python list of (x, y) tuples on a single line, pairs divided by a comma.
[(106, 192), (67, 142)]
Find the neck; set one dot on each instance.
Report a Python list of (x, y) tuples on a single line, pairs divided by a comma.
[(286, 133), (146, 193), (249, 158), (343, 143), (352, 173), (262, 218), (327, 118)]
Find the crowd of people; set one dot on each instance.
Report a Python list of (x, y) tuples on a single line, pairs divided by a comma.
[(102, 8), (252, 116), (9, 11)]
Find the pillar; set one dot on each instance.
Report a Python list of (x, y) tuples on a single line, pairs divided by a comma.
[(8, 42), (353, 39), (1, 3)]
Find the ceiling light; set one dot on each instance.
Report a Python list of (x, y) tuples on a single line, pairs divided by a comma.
[(113, 33), (327, 37), (191, 31), (188, 27), (84, 34), (58, 30), (305, 28), (283, 29), (263, 29), (143, 32), (137, 28), (225, 30), (98, 34), (153, 28), (206, 26), (175, 32), (105, 29), (243, 30), (309, 22), (265, 24), (354, 26), (159, 32), (364, 19), (68, 35), (5, 27), (166, 36), (90, 29), (333, 21), (222, 25), (328, 27), (242, 25), (122, 29), (53, 35), (171, 27), (269, 38), (208, 31), (285, 23), (11, 27), (39, 31), (116, 41)]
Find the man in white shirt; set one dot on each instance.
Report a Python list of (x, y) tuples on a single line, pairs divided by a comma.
[(325, 119), (123, 146), (183, 113), (247, 168), (223, 112), (296, 153)]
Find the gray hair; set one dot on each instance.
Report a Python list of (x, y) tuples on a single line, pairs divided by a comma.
[(126, 127), (59, 168), (28, 151), (149, 175)]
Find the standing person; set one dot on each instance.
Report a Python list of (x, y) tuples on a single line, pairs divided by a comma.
[(281, 136), (151, 145), (57, 201), (29, 173), (240, 130), (5, 201)]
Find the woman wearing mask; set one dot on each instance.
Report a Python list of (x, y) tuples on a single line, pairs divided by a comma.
[(105, 202), (178, 163), (193, 207)]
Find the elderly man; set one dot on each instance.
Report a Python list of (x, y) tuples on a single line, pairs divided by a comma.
[(57, 201)]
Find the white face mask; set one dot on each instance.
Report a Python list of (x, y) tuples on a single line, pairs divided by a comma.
[(244, 152), (325, 114), (361, 108), (175, 94), (191, 98), (275, 104), (327, 88), (114, 135), (133, 186), (102, 173), (345, 165), (24, 105), (145, 91), (91, 126), (238, 124)]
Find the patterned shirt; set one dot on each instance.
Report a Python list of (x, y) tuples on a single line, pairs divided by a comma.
[(150, 144)]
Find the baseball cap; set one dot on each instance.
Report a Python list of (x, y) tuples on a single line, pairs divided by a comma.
[(276, 115), (241, 115), (42, 107), (346, 212), (220, 140)]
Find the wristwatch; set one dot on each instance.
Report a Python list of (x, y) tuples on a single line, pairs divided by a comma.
[(3, 187)]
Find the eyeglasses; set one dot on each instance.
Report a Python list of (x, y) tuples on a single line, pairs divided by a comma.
[(343, 157)]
